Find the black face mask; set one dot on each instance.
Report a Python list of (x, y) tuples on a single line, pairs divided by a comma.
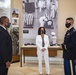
[(42, 31), (8, 25), (67, 25)]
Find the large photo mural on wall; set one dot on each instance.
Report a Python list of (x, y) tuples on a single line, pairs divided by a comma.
[(39, 13)]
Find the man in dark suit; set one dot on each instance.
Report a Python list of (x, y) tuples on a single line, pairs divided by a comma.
[(5, 46), (69, 48)]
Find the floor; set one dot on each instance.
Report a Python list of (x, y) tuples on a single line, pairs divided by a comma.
[(32, 69), (31, 66)]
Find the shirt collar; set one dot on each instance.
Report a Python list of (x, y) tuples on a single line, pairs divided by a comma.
[(70, 27), (3, 27)]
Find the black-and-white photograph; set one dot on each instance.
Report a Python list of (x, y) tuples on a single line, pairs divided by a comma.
[(15, 40), (40, 13), (29, 10), (44, 11)]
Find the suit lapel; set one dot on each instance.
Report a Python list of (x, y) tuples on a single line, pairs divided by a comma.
[(4, 31)]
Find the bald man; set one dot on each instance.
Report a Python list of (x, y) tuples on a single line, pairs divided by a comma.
[(5, 46)]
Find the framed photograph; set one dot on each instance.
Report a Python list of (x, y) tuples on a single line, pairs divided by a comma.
[(15, 17), (15, 21), (15, 13)]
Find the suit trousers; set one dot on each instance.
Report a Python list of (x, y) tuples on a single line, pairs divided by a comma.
[(46, 59), (3, 69), (69, 67)]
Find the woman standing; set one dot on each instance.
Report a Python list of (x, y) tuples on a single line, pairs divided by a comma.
[(42, 42)]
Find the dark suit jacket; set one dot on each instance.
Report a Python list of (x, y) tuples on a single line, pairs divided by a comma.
[(5, 46), (69, 44)]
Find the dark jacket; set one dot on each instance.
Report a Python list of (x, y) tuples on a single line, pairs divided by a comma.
[(69, 45), (5, 46)]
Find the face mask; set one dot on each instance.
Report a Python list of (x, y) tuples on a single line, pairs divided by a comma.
[(67, 25), (8, 25), (42, 31)]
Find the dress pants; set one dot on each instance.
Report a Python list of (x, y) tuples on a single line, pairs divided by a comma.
[(46, 59), (69, 67), (3, 69)]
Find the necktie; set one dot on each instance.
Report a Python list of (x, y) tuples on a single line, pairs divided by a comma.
[(43, 42)]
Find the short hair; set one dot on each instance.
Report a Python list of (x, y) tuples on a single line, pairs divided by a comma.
[(2, 19), (40, 29), (70, 18)]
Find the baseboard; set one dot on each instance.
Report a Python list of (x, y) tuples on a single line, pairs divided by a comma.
[(52, 60)]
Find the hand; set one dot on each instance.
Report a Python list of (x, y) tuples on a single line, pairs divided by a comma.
[(8, 64), (43, 49)]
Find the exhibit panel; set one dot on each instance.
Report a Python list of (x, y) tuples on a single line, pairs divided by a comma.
[(15, 31), (15, 34), (39, 13)]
